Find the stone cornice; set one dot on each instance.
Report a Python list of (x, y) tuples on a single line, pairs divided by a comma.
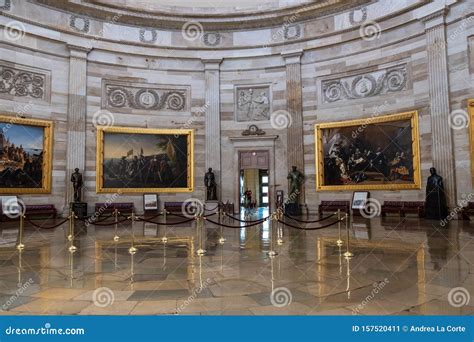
[(173, 20), (435, 18)]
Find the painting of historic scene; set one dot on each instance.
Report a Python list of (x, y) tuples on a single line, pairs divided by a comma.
[(375, 153), (253, 103), (24, 156), (145, 160)]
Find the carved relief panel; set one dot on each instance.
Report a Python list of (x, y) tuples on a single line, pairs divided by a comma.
[(368, 84), (24, 82), (144, 96), (252, 103)]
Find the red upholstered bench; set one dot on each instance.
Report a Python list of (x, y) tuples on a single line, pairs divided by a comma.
[(47, 210), (415, 207), (392, 207), (108, 208), (404, 207), (334, 206), (173, 207)]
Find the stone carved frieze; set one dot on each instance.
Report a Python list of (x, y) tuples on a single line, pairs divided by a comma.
[(145, 97), (23, 82), (253, 103), (365, 85)]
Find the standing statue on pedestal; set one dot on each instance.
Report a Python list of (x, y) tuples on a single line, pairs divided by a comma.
[(211, 186), (296, 179), (435, 206), (77, 183)]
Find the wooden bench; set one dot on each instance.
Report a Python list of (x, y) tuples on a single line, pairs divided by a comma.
[(174, 207), (467, 210), (47, 210), (403, 207), (108, 208), (334, 206)]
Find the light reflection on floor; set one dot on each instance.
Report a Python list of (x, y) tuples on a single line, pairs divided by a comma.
[(400, 267)]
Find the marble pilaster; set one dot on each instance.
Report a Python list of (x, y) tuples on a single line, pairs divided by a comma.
[(76, 120), (442, 139), (213, 121), (295, 153)]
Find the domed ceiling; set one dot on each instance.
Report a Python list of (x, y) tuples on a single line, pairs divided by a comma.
[(212, 14)]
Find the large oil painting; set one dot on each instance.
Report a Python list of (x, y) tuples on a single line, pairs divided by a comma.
[(379, 152), (144, 160), (25, 155)]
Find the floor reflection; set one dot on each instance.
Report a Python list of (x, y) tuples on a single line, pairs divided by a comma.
[(399, 267)]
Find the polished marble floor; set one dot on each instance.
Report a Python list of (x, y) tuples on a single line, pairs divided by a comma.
[(400, 267)]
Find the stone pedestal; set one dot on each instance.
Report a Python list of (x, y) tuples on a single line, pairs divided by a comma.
[(80, 209), (292, 209)]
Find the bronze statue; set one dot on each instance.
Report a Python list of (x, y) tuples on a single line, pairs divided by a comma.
[(77, 183), (211, 186), (435, 205), (296, 179)]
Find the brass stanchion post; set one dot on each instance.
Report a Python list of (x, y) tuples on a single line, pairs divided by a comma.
[(116, 214), (271, 252), (339, 242), (132, 250), (347, 254), (70, 237), (280, 228), (20, 246), (164, 239), (222, 238), (199, 224)]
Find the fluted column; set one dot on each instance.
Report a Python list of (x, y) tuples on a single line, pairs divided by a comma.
[(442, 141), (295, 153), (213, 119), (76, 119)]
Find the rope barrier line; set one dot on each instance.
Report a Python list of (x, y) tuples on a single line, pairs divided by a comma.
[(248, 221), (50, 227), (312, 228), (164, 223), (302, 221), (217, 206), (237, 227), (102, 224), (184, 216)]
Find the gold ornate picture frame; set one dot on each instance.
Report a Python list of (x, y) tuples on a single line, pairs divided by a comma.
[(375, 153), (470, 109), (26, 151), (142, 160)]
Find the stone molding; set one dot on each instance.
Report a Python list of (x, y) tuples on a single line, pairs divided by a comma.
[(145, 96), (24, 82), (379, 82)]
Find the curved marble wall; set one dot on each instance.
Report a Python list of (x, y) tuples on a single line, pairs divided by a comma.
[(426, 48)]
